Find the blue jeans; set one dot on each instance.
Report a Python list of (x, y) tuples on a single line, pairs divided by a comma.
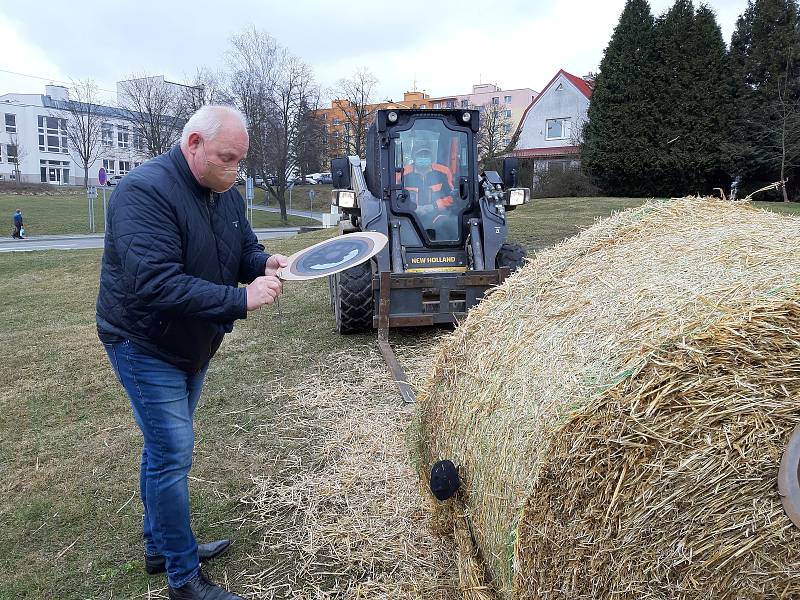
[(163, 398)]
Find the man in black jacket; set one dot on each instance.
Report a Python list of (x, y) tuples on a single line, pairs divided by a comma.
[(177, 245)]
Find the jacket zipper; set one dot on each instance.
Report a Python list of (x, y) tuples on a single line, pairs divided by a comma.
[(209, 206)]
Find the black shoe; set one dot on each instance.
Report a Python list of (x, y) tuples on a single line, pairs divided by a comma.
[(157, 564), (201, 588)]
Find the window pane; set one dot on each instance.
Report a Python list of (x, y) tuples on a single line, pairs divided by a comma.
[(554, 128), (432, 160)]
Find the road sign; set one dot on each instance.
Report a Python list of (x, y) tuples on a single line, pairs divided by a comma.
[(248, 189), (333, 255), (101, 176), (91, 192)]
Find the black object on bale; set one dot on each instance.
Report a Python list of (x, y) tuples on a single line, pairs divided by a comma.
[(444, 480)]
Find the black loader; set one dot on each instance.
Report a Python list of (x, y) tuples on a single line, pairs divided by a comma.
[(445, 221)]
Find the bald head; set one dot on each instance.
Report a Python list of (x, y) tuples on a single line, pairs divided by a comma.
[(214, 142)]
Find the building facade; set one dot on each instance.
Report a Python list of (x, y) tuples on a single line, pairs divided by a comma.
[(550, 129), (338, 130), (34, 146)]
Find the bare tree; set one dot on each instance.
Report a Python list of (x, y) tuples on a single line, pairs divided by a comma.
[(354, 97), (206, 87), (84, 124), (273, 89), (252, 67), (16, 154), (156, 110), (494, 136), (310, 146)]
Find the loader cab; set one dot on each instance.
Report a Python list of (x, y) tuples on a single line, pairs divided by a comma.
[(428, 173), (431, 161)]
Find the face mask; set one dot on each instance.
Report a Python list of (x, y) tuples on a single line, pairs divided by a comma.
[(218, 178), (423, 162)]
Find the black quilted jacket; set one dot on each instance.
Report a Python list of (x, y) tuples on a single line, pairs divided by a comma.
[(174, 254)]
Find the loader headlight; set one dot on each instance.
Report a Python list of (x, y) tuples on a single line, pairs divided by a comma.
[(392, 117), (517, 196), (466, 117), (343, 198)]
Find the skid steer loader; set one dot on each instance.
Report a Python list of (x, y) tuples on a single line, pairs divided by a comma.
[(445, 221)]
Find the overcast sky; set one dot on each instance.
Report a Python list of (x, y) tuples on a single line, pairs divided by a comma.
[(444, 46)]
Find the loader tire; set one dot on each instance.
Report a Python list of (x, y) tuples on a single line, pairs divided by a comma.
[(353, 304), (511, 256)]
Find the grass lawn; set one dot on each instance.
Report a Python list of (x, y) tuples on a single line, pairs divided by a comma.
[(69, 448), (68, 213), (300, 197)]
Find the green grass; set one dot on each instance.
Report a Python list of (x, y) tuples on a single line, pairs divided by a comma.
[(300, 198), (69, 447), (68, 213)]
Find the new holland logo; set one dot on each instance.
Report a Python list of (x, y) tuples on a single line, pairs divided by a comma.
[(433, 260)]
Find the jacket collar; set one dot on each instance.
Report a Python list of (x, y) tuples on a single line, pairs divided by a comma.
[(176, 154)]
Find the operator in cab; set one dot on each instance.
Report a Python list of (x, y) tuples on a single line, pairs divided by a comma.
[(429, 184)]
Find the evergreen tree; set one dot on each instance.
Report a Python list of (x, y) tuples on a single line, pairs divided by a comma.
[(764, 70), (690, 101), (618, 138)]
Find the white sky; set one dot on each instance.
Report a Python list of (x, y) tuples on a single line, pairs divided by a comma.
[(444, 46)]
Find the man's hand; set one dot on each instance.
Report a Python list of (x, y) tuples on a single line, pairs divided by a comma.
[(263, 290), (275, 262)]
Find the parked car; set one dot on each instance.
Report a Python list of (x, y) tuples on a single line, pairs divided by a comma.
[(325, 178), (114, 180), (310, 180)]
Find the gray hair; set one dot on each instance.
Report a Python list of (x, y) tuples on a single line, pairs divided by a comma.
[(208, 120)]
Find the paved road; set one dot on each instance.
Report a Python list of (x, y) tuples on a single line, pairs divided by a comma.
[(295, 213), (81, 242)]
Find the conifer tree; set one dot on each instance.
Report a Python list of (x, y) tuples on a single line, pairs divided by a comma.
[(618, 140), (690, 101), (764, 70)]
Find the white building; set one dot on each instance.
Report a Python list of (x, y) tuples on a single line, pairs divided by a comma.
[(550, 129), (33, 128)]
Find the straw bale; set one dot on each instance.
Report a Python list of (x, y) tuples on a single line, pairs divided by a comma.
[(618, 409)]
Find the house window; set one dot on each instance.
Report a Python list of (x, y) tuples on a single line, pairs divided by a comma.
[(11, 123), (465, 104), (496, 100), (124, 167), (508, 114), (435, 105), (108, 165), (11, 153), (506, 128), (557, 129), (451, 104), (107, 135), (423, 106), (138, 142), (52, 134), (136, 164), (123, 140), (336, 121), (508, 99)]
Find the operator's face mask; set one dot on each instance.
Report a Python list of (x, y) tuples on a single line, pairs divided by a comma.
[(218, 178), (423, 162)]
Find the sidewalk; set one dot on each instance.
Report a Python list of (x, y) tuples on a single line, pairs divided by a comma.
[(100, 236)]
